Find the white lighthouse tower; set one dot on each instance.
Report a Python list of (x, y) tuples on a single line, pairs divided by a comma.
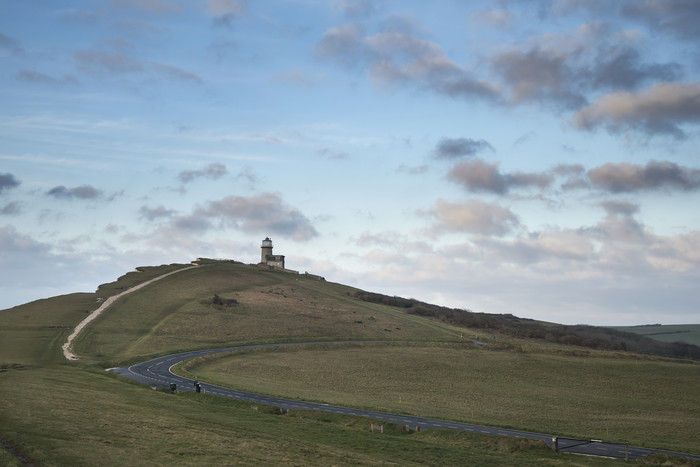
[(266, 249), (266, 256)]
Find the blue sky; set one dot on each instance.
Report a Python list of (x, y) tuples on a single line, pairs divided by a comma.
[(535, 158)]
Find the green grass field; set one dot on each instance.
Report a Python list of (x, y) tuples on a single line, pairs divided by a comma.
[(688, 333), (578, 396), (55, 412)]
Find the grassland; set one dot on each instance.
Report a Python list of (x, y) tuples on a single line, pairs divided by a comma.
[(59, 418), (59, 413), (688, 333), (584, 396)]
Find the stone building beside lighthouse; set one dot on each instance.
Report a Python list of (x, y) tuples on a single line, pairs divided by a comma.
[(266, 256)]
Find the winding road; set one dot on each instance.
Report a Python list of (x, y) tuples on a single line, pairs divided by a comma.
[(158, 373)]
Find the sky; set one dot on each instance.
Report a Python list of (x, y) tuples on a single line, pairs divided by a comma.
[(538, 158)]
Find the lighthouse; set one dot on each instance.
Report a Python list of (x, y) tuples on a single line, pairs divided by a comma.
[(266, 256), (266, 249)]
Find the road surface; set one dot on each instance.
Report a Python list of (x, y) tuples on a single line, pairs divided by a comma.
[(157, 372)]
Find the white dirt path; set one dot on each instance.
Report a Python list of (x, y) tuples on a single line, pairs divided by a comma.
[(67, 351)]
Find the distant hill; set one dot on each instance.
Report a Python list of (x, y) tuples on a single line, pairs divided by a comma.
[(686, 333)]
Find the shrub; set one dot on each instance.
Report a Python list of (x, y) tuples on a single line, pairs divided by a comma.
[(223, 302)]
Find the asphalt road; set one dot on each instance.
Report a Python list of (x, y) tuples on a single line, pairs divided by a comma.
[(157, 372)]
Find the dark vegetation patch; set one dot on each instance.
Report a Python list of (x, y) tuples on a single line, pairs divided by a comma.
[(21, 458), (4, 367), (512, 326), (12, 366), (221, 302)]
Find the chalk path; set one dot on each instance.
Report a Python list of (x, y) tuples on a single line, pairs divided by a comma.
[(67, 351)]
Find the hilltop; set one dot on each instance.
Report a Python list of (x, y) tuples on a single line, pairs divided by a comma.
[(275, 307), (57, 412)]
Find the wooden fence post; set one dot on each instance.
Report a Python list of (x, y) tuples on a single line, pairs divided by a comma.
[(379, 428)]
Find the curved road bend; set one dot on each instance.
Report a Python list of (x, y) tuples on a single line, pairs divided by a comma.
[(157, 372)]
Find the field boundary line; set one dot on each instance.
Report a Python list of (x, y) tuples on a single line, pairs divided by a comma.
[(67, 350)]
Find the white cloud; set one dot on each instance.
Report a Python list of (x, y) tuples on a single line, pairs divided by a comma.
[(256, 214), (452, 148), (213, 171), (399, 57), (665, 108), (79, 192), (615, 272), (476, 175), (474, 217), (626, 177), (8, 181)]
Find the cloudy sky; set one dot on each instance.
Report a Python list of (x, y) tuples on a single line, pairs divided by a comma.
[(538, 158)]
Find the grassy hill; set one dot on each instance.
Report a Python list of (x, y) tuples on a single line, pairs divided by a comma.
[(687, 333), (179, 313), (56, 412)]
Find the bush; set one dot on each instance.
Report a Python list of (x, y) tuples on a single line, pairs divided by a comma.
[(223, 302)]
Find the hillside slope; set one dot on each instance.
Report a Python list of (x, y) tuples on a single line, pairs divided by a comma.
[(686, 333), (181, 312), (55, 412)]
